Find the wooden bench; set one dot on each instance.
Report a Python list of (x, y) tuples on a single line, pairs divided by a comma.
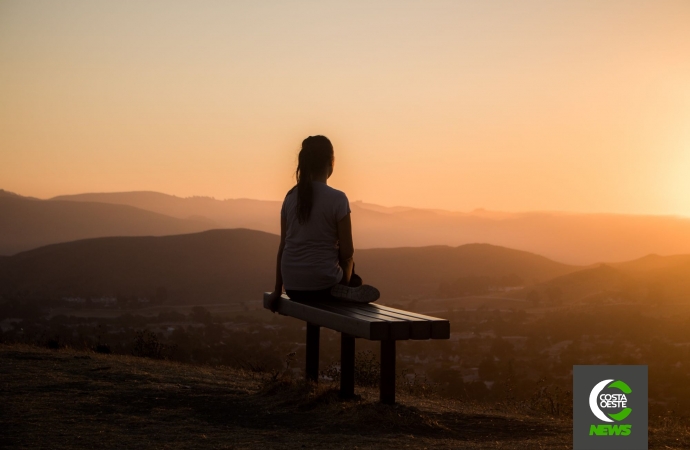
[(357, 320)]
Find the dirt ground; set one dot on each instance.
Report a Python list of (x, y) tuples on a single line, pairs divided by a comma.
[(62, 399)]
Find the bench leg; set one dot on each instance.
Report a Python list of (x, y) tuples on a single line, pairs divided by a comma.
[(388, 372), (347, 366), (312, 366)]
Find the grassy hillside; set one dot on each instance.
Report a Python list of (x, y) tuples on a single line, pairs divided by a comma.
[(66, 399), (237, 265), (27, 223)]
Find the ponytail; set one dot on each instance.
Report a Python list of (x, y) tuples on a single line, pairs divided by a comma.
[(316, 154)]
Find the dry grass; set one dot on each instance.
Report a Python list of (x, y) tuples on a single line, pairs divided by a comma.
[(67, 399)]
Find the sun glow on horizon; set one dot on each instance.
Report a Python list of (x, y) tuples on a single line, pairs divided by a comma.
[(507, 106)]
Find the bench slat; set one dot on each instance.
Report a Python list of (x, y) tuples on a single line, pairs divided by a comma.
[(365, 320), (399, 329), (352, 324), (419, 329), (440, 328), (360, 315)]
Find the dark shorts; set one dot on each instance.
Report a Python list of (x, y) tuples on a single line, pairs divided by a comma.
[(322, 294), (306, 296)]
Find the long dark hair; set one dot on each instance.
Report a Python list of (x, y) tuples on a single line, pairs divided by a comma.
[(316, 154)]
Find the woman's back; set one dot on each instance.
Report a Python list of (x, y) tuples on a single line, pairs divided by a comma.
[(315, 255), (310, 255)]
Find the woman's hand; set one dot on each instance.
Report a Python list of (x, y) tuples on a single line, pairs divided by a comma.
[(273, 300)]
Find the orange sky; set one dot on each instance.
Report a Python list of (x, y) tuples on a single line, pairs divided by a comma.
[(573, 106)]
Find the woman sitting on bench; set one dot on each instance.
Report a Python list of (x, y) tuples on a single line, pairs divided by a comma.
[(315, 253)]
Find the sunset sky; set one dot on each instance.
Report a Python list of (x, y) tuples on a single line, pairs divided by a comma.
[(546, 105)]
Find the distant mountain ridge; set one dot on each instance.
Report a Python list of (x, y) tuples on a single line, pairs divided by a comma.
[(4, 193), (233, 265), (654, 262), (659, 280), (27, 223), (232, 213), (238, 264), (568, 237), (410, 271)]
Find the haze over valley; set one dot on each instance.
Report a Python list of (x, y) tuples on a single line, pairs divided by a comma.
[(580, 239)]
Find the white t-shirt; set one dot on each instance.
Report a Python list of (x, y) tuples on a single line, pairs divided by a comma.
[(310, 255)]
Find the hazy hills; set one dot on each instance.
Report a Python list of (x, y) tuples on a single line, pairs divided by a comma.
[(231, 265), (232, 213), (238, 264), (219, 265), (27, 223), (411, 271), (653, 279), (653, 263), (571, 238)]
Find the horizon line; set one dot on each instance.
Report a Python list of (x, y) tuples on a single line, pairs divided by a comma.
[(442, 210)]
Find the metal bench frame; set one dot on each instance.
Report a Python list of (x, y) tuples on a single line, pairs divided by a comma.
[(356, 320)]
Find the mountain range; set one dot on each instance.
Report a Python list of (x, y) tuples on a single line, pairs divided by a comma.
[(238, 264), (580, 239), (232, 265), (567, 237), (27, 223)]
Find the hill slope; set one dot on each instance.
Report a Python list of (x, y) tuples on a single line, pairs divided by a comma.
[(660, 280), (420, 270), (27, 223), (216, 265), (65, 399), (239, 264), (653, 262)]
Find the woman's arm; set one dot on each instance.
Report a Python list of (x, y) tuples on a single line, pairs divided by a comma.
[(278, 289), (346, 248)]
